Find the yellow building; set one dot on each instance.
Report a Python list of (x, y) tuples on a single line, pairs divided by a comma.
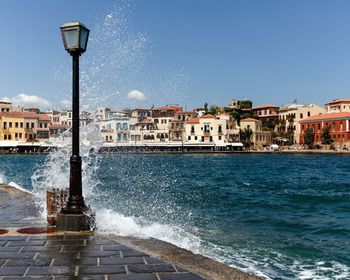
[(23, 126), (259, 137)]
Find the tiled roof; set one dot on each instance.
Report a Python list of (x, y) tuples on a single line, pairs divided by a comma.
[(184, 112), (208, 116), (250, 120), (168, 108), (328, 116), (193, 120), (335, 101), (265, 106), (43, 117), (19, 115)]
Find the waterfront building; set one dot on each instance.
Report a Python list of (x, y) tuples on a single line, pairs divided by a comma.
[(42, 131), (144, 131), (338, 105), (259, 138), (162, 117), (268, 114), (66, 117), (7, 107), (290, 117), (177, 128), (54, 117), (24, 126), (338, 124), (207, 129)]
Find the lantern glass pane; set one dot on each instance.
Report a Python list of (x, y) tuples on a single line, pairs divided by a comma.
[(72, 38), (84, 34)]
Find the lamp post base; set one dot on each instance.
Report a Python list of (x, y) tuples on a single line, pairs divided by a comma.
[(75, 222)]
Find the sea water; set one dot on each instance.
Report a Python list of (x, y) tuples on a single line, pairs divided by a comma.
[(278, 216)]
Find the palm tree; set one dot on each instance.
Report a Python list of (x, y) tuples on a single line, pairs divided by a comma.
[(245, 136)]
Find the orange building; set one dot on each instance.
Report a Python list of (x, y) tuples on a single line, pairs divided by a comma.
[(338, 123)]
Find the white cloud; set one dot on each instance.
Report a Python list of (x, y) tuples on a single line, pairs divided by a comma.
[(26, 100), (66, 102), (136, 95), (6, 99)]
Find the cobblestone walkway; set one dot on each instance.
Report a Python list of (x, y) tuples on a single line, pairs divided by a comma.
[(85, 257)]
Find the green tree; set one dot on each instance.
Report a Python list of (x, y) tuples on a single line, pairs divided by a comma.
[(236, 115), (206, 108), (309, 137), (214, 110), (327, 137), (245, 135)]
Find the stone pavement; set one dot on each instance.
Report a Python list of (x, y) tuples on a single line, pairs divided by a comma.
[(85, 257)]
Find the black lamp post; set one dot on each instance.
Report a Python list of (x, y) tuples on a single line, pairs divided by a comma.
[(73, 217)]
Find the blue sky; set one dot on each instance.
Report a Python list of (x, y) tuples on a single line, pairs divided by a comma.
[(184, 51)]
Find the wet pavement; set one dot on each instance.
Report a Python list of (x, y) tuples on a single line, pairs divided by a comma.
[(69, 256), (81, 257)]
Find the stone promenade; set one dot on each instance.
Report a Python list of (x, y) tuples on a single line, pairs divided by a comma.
[(70, 257)]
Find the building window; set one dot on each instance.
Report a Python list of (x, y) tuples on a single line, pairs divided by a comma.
[(10, 124), (45, 125), (211, 138), (308, 114), (21, 125), (16, 135), (9, 137), (192, 129), (220, 129), (5, 137), (202, 139), (195, 138), (301, 115), (16, 125), (27, 125), (32, 125), (189, 137), (5, 125), (220, 137)]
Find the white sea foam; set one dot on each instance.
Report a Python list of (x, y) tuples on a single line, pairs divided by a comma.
[(2, 178)]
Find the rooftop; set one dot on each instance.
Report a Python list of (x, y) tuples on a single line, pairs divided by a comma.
[(250, 120), (328, 116), (265, 106), (336, 101)]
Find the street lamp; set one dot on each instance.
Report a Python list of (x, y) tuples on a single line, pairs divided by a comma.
[(74, 216)]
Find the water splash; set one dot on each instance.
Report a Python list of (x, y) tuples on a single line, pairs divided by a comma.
[(54, 173)]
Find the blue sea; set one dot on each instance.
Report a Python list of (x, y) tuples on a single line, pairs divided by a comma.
[(278, 216)]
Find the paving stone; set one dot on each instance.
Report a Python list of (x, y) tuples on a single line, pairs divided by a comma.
[(115, 248), (2, 262), (102, 269), (130, 260), (65, 242), (133, 277), (2, 243), (133, 253), (84, 261), (79, 237), (12, 271), (81, 277), (179, 276), (11, 238), (150, 268), (103, 242), (58, 255), (27, 278), (28, 262), (151, 260), (101, 254), (51, 270), (26, 243), (41, 249), (90, 248), (10, 249), (12, 255)]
